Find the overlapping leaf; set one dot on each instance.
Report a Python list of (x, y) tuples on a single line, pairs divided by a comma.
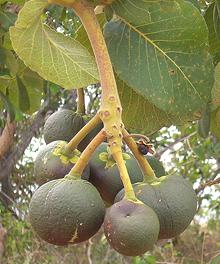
[(160, 49), (55, 57), (7, 19), (214, 41), (141, 115), (23, 87)]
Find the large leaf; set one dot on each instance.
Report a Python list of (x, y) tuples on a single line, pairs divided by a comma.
[(55, 57), (214, 41), (7, 19), (159, 48), (18, 96), (23, 98), (141, 115)]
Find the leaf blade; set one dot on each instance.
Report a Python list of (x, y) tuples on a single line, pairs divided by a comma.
[(52, 55), (152, 52)]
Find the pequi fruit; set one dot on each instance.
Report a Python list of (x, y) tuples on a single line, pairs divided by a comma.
[(62, 125), (66, 211), (104, 173), (172, 198), (156, 165), (65, 124), (131, 228), (51, 163)]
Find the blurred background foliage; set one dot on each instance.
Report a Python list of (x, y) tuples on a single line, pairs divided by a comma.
[(184, 150)]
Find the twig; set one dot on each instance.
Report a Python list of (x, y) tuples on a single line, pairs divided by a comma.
[(88, 252), (203, 246), (160, 153), (7, 164), (208, 183)]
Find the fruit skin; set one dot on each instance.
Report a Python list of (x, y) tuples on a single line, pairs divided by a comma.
[(131, 228), (107, 180), (172, 198), (66, 211), (156, 165), (62, 125), (65, 124), (49, 165)]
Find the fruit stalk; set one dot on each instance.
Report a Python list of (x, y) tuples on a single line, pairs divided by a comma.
[(83, 160), (129, 191), (81, 101), (110, 110), (148, 172), (82, 133)]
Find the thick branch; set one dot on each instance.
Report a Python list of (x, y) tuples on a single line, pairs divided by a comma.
[(6, 138), (7, 164)]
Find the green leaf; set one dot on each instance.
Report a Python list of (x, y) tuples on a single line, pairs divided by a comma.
[(23, 98), (204, 123), (33, 85), (8, 106), (156, 51), (7, 20), (2, 57), (55, 57), (215, 123), (214, 42), (7, 41), (11, 62), (216, 19), (140, 115), (215, 260), (216, 87)]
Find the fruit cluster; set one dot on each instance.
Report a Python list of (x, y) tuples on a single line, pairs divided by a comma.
[(68, 209)]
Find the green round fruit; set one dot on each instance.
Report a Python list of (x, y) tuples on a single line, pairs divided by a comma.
[(156, 165), (104, 173), (131, 228), (62, 125), (66, 211), (51, 164), (65, 124), (172, 198)]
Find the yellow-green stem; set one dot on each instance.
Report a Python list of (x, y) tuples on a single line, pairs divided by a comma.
[(83, 132), (129, 191), (85, 156), (110, 109), (148, 172), (81, 101)]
